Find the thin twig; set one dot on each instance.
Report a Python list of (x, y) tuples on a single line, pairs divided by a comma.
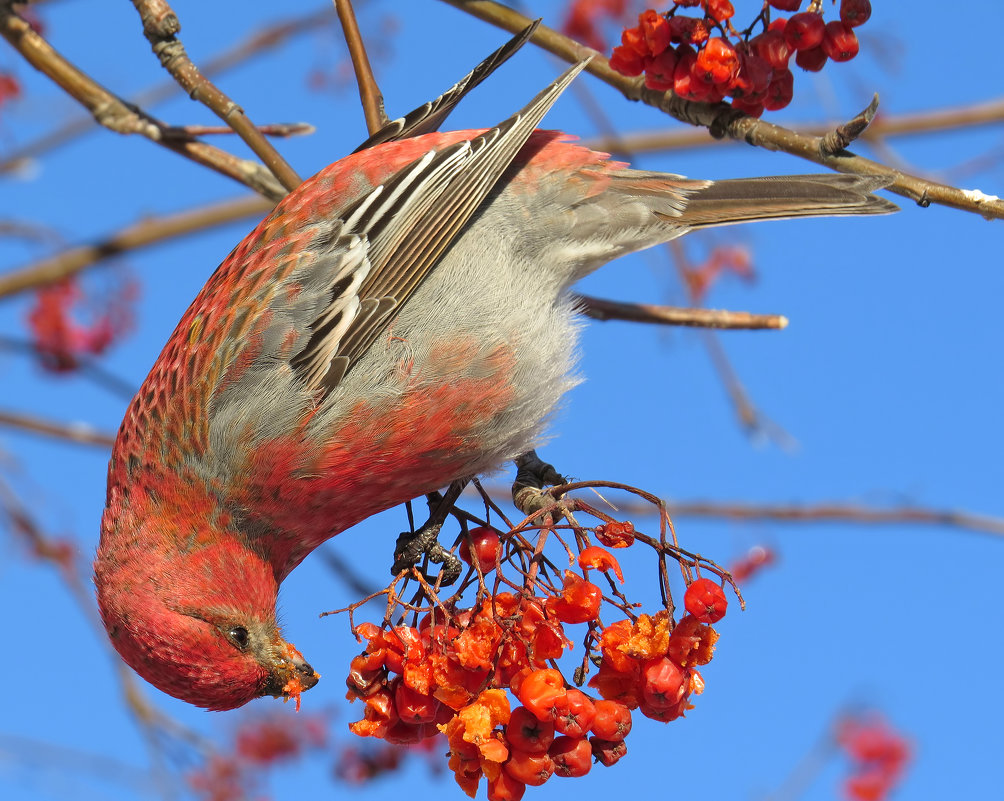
[(117, 115), (369, 92), (269, 37), (723, 121), (161, 26), (279, 129), (82, 433), (604, 309), (138, 235)]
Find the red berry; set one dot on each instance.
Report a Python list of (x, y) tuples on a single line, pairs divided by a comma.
[(812, 60), (753, 78), (606, 752), (855, 12), (655, 29), (717, 63), (505, 788), (786, 5), (414, 707), (572, 756), (719, 10), (484, 543), (804, 31), (780, 91), (627, 61), (705, 600), (612, 721), (525, 732), (659, 72), (752, 107), (772, 48), (575, 715), (532, 769), (839, 41), (688, 30), (541, 691), (664, 683), (579, 601), (615, 534)]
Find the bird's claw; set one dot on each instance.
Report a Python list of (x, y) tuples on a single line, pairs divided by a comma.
[(532, 475), (413, 546)]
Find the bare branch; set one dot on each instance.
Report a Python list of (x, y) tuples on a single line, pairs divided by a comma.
[(280, 129), (369, 92), (837, 513), (160, 26), (140, 234), (724, 121), (603, 309), (117, 115), (270, 37), (82, 433)]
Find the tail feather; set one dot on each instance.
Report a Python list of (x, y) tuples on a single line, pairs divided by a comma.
[(780, 197)]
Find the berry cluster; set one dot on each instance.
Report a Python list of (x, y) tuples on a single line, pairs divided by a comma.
[(705, 58), (487, 675), (60, 340), (879, 754)]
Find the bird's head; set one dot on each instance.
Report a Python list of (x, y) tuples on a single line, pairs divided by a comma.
[(198, 623)]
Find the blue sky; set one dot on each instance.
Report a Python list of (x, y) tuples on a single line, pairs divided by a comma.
[(888, 380)]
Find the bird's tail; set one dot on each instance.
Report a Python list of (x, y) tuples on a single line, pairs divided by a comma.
[(781, 197)]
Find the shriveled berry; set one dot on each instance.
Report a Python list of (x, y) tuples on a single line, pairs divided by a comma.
[(607, 753), (786, 5)]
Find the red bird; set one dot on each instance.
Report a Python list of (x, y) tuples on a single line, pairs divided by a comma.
[(400, 320)]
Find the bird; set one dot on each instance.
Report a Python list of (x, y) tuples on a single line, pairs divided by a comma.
[(400, 320)]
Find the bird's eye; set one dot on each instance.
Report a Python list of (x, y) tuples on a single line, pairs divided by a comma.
[(239, 636)]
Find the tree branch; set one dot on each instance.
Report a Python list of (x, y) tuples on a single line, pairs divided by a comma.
[(268, 38), (160, 26), (140, 234), (882, 127), (369, 92), (82, 433), (117, 115)]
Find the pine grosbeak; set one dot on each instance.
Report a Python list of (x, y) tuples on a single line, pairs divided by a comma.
[(400, 320)]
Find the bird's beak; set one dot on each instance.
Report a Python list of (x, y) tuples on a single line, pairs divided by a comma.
[(289, 674)]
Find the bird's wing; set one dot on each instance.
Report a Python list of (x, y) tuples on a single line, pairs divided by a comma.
[(390, 239), (429, 116)]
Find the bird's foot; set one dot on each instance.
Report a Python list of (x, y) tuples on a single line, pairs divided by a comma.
[(532, 475), (414, 547)]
